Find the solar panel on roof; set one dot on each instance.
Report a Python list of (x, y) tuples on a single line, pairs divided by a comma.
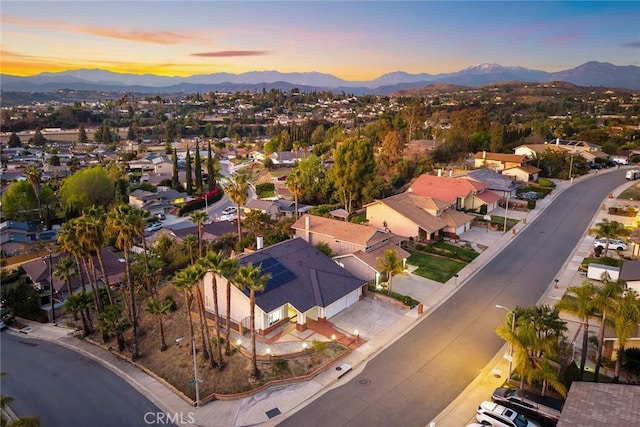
[(279, 273)]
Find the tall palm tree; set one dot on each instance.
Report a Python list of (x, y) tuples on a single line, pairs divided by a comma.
[(215, 263), (391, 265), (94, 220), (33, 175), (625, 316), (295, 185), (237, 190), (66, 269), (190, 242), (608, 230), (230, 270), (189, 279), (606, 296), (159, 309), (69, 244), (122, 224), (199, 218), (579, 301), (250, 277)]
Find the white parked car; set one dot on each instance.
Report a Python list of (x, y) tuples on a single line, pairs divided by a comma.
[(615, 244), (493, 414), (153, 227), (229, 210)]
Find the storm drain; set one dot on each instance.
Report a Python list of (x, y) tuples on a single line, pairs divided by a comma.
[(363, 382), (273, 413)]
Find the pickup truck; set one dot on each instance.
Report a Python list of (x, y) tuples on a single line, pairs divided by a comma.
[(545, 409)]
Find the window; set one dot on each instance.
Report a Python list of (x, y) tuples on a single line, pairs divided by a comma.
[(275, 316)]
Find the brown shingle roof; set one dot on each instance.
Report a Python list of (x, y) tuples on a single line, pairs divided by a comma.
[(414, 208), (363, 235), (500, 157)]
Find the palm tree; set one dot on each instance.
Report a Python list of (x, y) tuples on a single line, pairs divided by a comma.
[(237, 190), (76, 304), (122, 224), (69, 244), (295, 185), (159, 309), (608, 230), (230, 270), (66, 269), (199, 218), (535, 338), (605, 298), (190, 242), (626, 316), (579, 301), (34, 177), (94, 219), (215, 263), (250, 277), (188, 279), (111, 325), (391, 265)]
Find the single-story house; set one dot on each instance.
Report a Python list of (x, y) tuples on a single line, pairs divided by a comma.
[(524, 173), (497, 183), (459, 192), (304, 284)]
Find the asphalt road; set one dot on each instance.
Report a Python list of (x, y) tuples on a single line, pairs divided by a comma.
[(413, 380), (66, 389)]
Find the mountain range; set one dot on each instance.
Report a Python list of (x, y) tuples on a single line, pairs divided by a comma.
[(600, 74)]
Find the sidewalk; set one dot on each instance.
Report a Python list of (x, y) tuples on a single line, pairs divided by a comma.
[(264, 407)]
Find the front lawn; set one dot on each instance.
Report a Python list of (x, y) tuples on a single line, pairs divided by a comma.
[(435, 268), (449, 250)]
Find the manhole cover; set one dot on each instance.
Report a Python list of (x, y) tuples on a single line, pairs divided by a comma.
[(363, 382)]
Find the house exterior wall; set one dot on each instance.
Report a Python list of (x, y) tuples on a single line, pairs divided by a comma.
[(164, 167), (519, 175), (240, 307), (339, 247), (378, 214), (357, 268), (635, 284)]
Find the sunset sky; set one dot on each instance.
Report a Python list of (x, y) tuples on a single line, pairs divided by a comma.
[(357, 40)]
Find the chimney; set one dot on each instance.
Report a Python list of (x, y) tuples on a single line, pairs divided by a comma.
[(307, 228), (484, 154), (259, 242), (450, 172), (439, 172), (557, 141)]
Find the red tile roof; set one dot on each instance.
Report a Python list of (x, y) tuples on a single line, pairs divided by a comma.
[(444, 188)]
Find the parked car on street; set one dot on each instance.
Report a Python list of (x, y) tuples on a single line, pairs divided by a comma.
[(229, 210), (545, 409), (529, 195), (491, 413), (153, 227), (615, 244)]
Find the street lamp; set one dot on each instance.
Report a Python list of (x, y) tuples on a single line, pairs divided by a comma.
[(506, 211), (196, 380), (571, 166), (513, 329)]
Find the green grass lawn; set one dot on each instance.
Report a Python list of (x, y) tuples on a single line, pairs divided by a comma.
[(435, 268), (464, 255)]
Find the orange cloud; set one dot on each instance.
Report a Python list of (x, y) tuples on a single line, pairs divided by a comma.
[(156, 37), (230, 53)]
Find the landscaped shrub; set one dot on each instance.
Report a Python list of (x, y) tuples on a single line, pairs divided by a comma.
[(623, 211), (173, 306), (531, 204), (419, 247), (265, 189), (199, 203), (545, 182)]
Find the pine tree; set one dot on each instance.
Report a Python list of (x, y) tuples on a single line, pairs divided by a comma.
[(188, 174), (198, 171)]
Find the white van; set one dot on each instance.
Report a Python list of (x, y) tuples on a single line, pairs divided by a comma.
[(633, 174)]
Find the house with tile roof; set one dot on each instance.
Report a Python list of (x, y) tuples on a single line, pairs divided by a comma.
[(356, 247), (497, 161), (461, 193), (305, 284), (498, 183)]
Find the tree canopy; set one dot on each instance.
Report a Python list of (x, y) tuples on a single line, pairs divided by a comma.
[(353, 170), (85, 188)]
